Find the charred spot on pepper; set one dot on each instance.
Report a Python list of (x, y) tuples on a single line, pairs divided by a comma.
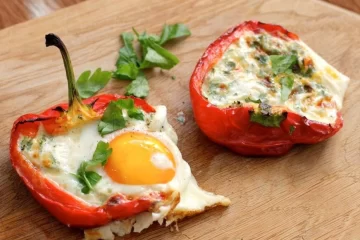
[(115, 200), (92, 104), (59, 109)]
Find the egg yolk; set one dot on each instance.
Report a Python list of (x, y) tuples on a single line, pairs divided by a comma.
[(139, 159)]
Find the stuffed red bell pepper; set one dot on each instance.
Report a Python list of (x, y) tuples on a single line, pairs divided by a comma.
[(108, 162), (258, 90)]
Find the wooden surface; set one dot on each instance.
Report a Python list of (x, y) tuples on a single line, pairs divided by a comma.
[(17, 11), (311, 193)]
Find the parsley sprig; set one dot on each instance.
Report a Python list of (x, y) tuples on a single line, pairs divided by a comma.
[(88, 86), (90, 178), (114, 117), (130, 66), (283, 65)]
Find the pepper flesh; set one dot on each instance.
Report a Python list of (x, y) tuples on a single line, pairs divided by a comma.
[(232, 127)]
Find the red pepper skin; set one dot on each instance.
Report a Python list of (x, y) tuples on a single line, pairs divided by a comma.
[(231, 126), (66, 207)]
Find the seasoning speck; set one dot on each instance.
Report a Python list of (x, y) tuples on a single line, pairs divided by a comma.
[(173, 77), (180, 117)]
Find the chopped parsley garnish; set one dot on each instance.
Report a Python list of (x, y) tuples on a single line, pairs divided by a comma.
[(282, 63), (171, 32), (114, 119), (129, 64), (138, 87), (266, 118), (248, 99), (89, 85), (286, 83), (26, 143), (292, 129), (262, 59), (90, 178)]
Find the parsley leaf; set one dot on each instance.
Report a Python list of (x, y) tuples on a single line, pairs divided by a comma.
[(282, 63), (126, 71), (248, 99), (292, 129), (272, 120), (287, 83), (89, 85), (138, 87), (127, 63), (174, 31), (114, 119), (265, 117), (154, 55), (90, 178)]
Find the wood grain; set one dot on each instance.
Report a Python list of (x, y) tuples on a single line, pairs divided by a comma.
[(311, 193)]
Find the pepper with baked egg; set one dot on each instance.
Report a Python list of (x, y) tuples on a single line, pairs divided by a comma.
[(108, 163), (56, 120), (258, 90)]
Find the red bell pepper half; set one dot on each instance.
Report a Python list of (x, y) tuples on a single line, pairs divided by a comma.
[(66, 207), (232, 127)]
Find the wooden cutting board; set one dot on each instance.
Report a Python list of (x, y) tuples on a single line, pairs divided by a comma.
[(311, 193)]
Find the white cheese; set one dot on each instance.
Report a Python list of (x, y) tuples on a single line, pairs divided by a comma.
[(245, 73)]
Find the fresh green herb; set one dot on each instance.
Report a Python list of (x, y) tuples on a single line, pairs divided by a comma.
[(127, 71), (287, 83), (282, 63), (230, 66), (88, 86), (114, 119), (292, 129), (26, 144), (308, 72), (262, 59), (154, 55), (138, 87), (248, 99), (171, 32), (90, 178), (42, 140), (127, 65), (272, 120), (265, 117)]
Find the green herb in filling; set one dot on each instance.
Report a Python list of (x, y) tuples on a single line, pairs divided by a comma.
[(26, 144), (266, 118), (90, 178), (287, 83)]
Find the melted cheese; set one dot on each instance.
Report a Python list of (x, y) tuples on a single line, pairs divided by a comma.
[(245, 73)]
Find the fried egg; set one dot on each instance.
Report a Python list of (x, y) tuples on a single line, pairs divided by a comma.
[(144, 159)]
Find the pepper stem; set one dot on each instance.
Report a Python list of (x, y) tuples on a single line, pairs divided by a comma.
[(78, 112), (53, 40)]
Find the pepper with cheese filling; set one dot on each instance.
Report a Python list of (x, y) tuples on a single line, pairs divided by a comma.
[(258, 89)]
